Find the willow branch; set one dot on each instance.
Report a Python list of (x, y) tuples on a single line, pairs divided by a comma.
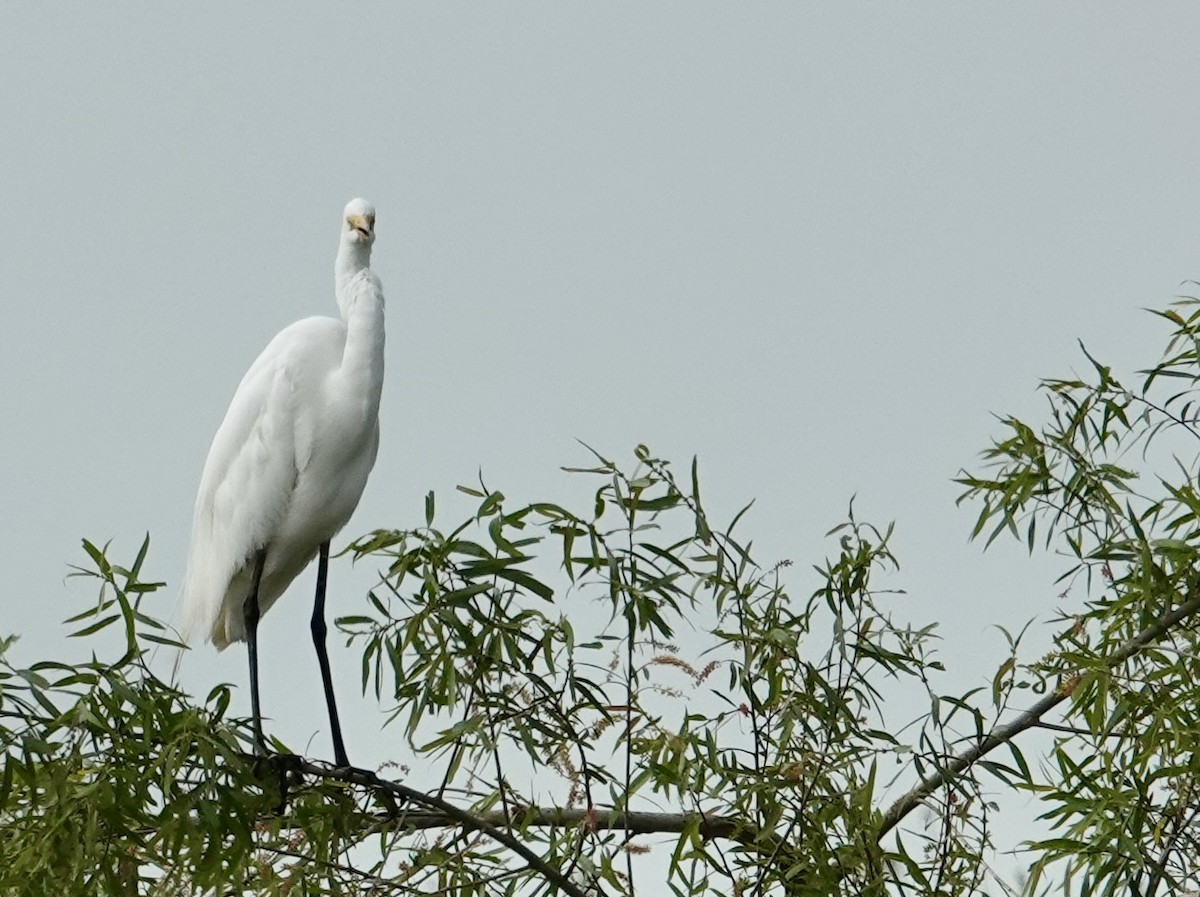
[(1028, 719), (709, 827), (439, 813)]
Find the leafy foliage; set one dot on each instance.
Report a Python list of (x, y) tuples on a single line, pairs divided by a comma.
[(465, 634), (1106, 481), (620, 699)]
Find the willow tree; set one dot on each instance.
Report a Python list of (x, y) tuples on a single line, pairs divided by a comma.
[(692, 725)]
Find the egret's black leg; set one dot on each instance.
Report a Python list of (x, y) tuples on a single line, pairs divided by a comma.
[(250, 610), (318, 636)]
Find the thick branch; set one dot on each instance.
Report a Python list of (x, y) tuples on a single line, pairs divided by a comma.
[(440, 813), (709, 827), (1027, 719)]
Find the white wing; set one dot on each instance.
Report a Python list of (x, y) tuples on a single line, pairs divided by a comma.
[(250, 475)]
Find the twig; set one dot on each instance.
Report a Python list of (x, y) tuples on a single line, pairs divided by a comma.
[(1158, 871)]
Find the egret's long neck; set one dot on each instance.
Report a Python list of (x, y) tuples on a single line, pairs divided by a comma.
[(352, 257), (360, 298)]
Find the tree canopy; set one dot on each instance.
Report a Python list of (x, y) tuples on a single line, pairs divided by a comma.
[(693, 725)]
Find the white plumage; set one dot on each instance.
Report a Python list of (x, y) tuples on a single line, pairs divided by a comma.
[(291, 458)]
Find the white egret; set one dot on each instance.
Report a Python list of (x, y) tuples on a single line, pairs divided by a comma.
[(288, 466)]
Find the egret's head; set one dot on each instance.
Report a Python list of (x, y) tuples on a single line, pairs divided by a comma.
[(359, 222)]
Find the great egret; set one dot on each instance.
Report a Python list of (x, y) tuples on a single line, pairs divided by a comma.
[(288, 466)]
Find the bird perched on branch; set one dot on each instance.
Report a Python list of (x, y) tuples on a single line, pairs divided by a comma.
[(288, 466)]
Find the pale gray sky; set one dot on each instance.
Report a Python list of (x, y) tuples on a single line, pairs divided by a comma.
[(816, 245)]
